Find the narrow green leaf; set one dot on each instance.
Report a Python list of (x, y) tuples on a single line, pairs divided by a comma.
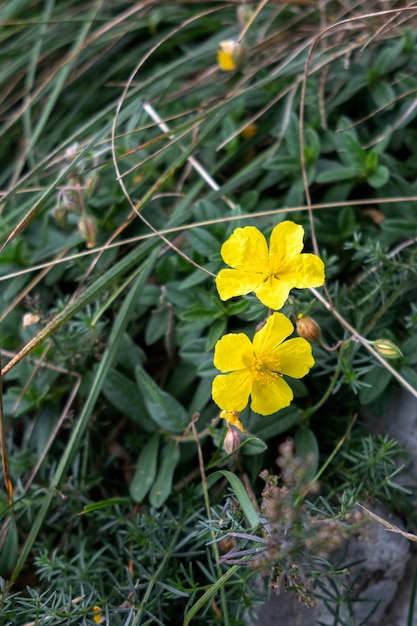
[(9, 551), (203, 242), (124, 395), (207, 596), (163, 408), (376, 382), (105, 504), (307, 449), (145, 472), (338, 174), (161, 489), (240, 493)]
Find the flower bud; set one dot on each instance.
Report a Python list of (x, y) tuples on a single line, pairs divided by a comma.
[(59, 213), (386, 348), (29, 319), (245, 15), (308, 328), (91, 184), (230, 56), (232, 417), (88, 230), (249, 131), (231, 441)]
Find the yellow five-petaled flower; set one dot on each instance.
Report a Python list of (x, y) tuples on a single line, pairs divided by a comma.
[(272, 273), (229, 55), (256, 368)]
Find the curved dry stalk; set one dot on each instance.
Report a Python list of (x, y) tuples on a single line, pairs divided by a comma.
[(135, 208), (179, 229), (307, 67)]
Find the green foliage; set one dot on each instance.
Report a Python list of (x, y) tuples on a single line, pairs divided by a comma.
[(111, 228)]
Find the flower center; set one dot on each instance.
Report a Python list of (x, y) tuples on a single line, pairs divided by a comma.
[(262, 374)]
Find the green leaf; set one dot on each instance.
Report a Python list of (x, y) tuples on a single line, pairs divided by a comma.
[(339, 173), (252, 446), (195, 278), (199, 313), (76, 439), (289, 164), (371, 163), (124, 395), (383, 95), (216, 330), (161, 488), (377, 379), (8, 553), (409, 350), (205, 210), (378, 178), (398, 227), (346, 222), (268, 426), (105, 504), (211, 591), (312, 146), (145, 472), (157, 326), (410, 375), (240, 493), (163, 409), (307, 449), (203, 242)]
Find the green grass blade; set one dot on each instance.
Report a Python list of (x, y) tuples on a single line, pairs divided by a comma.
[(126, 311)]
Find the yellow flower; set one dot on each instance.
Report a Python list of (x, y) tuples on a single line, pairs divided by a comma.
[(256, 368), (228, 54), (272, 273), (249, 131), (97, 613)]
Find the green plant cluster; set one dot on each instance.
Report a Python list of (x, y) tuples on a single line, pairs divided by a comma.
[(128, 158)]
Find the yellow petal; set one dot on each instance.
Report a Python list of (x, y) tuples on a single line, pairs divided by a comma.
[(273, 292), (268, 399), (233, 352), (233, 418), (295, 357), (247, 250), (277, 328), (231, 391), (310, 271), (226, 61), (286, 243), (231, 283)]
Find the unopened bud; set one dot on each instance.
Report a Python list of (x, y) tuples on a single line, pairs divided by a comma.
[(308, 328), (88, 230), (91, 184), (231, 55), (231, 441), (29, 319), (244, 14), (232, 417), (386, 348), (60, 215)]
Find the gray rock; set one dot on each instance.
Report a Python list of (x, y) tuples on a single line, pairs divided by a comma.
[(383, 574), (378, 562)]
